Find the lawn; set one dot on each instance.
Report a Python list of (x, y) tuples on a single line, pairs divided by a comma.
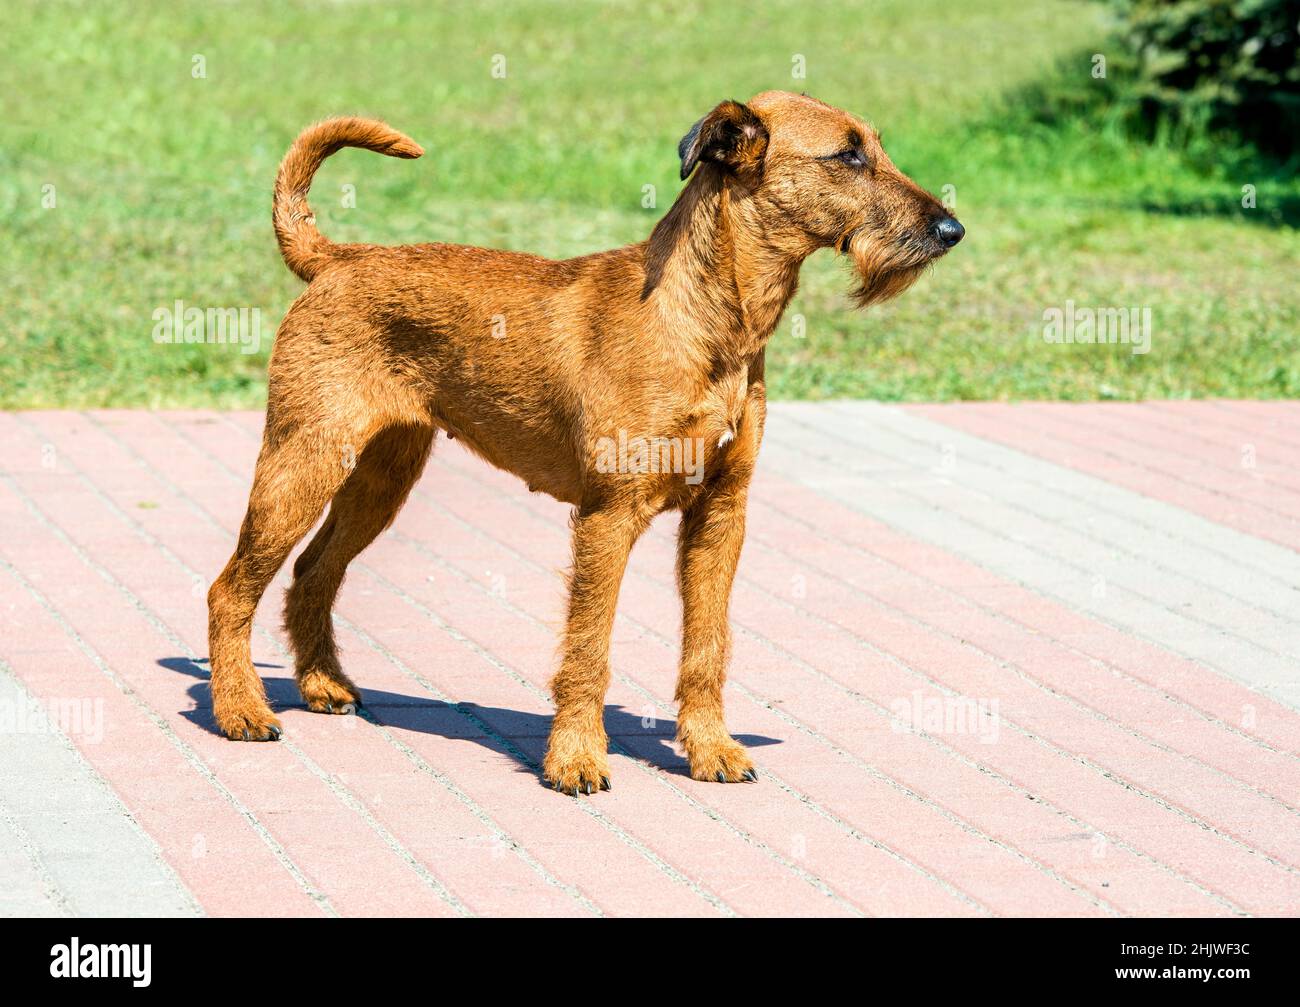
[(160, 179)]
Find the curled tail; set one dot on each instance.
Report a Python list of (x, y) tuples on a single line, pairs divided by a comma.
[(304, 248)]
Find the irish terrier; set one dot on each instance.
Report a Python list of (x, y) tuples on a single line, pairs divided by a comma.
[(538, 367)]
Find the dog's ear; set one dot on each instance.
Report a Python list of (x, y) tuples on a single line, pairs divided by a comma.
[(731, 135)]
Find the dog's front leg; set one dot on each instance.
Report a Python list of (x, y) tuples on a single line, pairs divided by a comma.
[(576, 756), (708, 550)]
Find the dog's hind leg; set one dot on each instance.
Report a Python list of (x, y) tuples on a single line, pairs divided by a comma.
[(365, 505), (297, 472), (576, 758)]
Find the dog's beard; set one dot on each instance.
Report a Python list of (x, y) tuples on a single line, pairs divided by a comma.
[(885, 268)]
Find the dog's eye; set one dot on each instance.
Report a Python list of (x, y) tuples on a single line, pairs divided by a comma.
[(852, 158)]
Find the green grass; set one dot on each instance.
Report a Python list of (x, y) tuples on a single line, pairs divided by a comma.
[(163, 183)]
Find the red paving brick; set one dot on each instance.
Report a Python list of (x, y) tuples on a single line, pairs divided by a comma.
[(1118, 774), (1242, 486)]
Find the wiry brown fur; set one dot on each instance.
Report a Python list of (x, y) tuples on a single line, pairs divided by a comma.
[(530, 363)]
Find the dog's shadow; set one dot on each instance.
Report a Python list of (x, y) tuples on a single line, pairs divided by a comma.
[(518, 734)]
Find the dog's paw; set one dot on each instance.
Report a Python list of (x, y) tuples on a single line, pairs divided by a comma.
[(582, 771), (721, 761), (326, 693), (255, 725)]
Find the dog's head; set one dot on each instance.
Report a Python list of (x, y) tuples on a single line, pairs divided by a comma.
[(819, 175)]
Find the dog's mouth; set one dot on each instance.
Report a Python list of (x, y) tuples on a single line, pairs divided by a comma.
[(887, 266), (913, 246)]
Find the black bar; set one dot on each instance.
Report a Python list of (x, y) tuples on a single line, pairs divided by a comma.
[(294, 957)]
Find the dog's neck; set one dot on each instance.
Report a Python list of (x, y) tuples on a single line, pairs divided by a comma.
[(711, 261)]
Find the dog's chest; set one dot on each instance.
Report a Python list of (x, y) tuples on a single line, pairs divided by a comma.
[(710, 414), (695, 441), (718, 416)]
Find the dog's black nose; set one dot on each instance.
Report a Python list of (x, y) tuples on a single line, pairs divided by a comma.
[(949, 230)]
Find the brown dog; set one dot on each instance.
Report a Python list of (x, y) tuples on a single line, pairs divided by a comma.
[(541, 367)]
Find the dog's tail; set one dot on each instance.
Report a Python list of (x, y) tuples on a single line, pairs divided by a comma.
[(304, 248)]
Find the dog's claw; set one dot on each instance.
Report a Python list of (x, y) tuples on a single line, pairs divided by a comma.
[(584, 786), (267, 733), (751, 776), (722, 777), (338, 709)]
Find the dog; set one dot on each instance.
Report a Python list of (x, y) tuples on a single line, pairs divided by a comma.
[(537, 366)]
